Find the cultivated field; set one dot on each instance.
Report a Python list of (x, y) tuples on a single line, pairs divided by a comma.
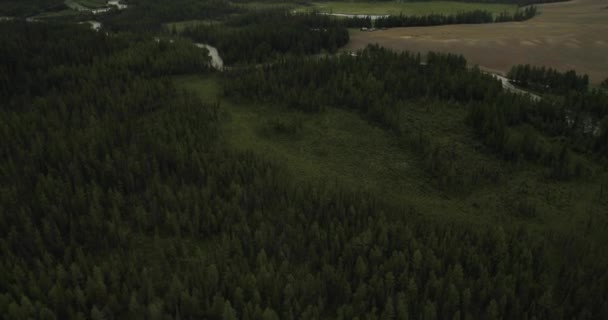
[(569, 35)]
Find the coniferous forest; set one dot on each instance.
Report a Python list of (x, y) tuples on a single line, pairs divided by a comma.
[(470, 17), (122, 197)]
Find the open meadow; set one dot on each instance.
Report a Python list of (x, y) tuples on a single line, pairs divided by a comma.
[(568, 35), (339, 145)]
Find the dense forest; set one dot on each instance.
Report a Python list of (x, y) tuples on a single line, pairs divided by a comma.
[(469, 17), (255, 37), (120, 197), (13, 8), (149, 15), (548, 79)]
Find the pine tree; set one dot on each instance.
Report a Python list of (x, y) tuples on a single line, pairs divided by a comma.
[(229, 313)]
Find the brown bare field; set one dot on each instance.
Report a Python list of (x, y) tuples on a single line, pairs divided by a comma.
[(567, 35)]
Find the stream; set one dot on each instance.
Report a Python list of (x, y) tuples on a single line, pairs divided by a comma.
[(109, 6), (216, 61)]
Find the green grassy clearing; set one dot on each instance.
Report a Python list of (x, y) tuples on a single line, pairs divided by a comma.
[(338, 145), (179, 26), (68, 13), (267, 5), (407, 8), (86, 4), (93, 3)]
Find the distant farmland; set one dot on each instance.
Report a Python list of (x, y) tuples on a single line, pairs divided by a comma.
[(568, 35)]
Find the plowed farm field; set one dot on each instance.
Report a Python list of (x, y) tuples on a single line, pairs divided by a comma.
[(567, 35)]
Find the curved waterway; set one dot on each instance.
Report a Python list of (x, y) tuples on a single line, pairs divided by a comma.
[(216, 61)]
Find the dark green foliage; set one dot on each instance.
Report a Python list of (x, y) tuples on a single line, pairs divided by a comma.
[(547, 79), (148, 15), (470, 17), (262, 36), (604, 84), (283, 126), (380, 84), (120, 200), (29, 7)]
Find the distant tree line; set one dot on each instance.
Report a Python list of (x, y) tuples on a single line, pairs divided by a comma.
[(263, 36), (544, 79), (149, 15), (468, 17), (24, 8)]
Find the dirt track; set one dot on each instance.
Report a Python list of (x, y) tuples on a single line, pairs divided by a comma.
[(568, 35)]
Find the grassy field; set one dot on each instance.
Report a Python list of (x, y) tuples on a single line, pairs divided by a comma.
[(338, 145), (407, 8), (179, 26), (62, 14), (268, 5), (93, 3), (567, 35), (86, 4)]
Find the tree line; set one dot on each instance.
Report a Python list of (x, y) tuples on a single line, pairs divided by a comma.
[(468, 17), (265, 35), (21, 8), (545, 79), (149, 15)]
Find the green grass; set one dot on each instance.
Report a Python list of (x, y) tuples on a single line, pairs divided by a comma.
[(339, 145), (68, 13), (93, 3), (407, 8), (85, 4), (267, 5), (181, 25)]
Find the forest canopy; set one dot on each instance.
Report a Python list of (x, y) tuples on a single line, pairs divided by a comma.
[(121, 196)]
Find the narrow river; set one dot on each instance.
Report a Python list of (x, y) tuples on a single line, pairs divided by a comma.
[(216, 61)]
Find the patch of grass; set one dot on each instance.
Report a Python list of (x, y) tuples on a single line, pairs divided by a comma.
[(408, 8), (268, 5), (62, 14), (93, 3), (85, 4), (339, 145), (179, 26)]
